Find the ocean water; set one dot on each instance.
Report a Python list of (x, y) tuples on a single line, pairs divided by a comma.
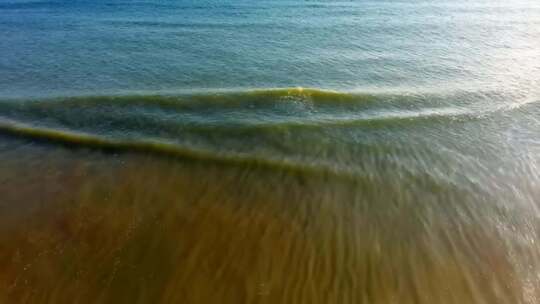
[(269, 151)]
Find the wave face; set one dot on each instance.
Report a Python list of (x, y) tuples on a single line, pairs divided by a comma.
[(339, 132)]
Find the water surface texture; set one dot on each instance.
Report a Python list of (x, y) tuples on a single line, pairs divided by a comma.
[(269, 151)]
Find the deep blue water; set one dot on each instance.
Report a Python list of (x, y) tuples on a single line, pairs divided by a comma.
[(107, 47)]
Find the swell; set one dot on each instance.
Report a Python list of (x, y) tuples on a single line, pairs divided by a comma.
[(265, 109), (224, 98), (71, 139), (234, 98), (198, 126)]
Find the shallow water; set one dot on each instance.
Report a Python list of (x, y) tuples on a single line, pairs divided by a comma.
[(269, 152), (295, 196), (122, 227)]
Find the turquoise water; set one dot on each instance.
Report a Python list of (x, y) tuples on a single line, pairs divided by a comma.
[(108, 47), (270, 151)]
